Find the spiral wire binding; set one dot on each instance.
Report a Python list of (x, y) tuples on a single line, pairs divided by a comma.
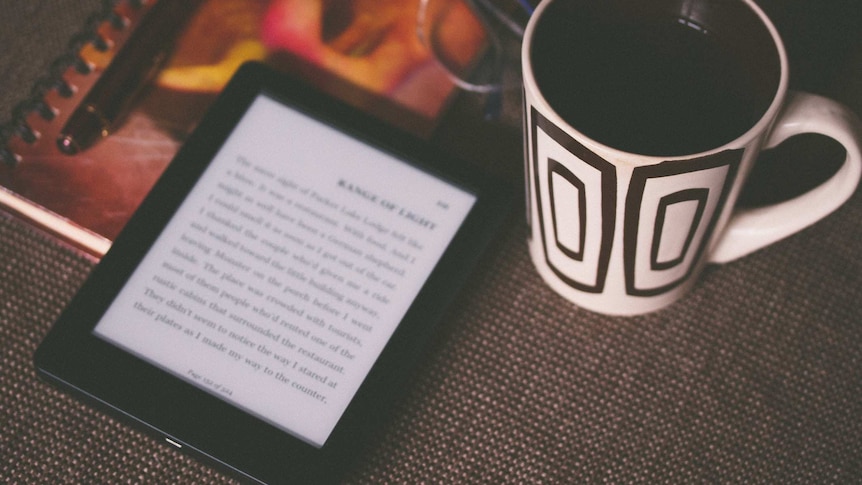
[(54, 79)]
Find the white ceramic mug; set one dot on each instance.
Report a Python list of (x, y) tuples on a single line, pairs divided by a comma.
[(619, 232)]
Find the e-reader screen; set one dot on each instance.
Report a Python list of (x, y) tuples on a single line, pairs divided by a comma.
[(284, 272), (268, 298)]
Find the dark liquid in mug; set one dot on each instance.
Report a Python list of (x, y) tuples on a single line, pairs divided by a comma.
[(660, 86)]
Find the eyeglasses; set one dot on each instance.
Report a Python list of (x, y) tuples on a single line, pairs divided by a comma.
[(467, 39)]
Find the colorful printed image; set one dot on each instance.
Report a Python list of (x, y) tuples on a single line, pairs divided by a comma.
[(370, 43), (366, 52)]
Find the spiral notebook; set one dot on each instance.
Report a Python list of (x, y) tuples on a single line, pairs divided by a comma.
[(345, 47)]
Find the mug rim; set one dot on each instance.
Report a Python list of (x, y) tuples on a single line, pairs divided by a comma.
[(760, 126)]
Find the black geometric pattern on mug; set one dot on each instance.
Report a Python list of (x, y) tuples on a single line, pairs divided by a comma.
[(678, 222), (564, 186), (528, 195), (691, 202), (580, 190)]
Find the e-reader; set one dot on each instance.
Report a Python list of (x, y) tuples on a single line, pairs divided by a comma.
[(264, 303)]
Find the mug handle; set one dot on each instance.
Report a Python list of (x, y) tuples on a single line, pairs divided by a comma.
[(751, 229)]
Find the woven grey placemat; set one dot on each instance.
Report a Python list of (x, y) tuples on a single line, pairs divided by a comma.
[(45, 435), (755, 377)]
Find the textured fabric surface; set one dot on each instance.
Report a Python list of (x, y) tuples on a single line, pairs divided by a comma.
[(45, 435), (755, 377), (33, 34)]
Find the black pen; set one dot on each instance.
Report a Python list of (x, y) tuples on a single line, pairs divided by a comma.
[(131, 69)]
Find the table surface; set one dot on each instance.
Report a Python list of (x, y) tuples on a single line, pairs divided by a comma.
[(755, 377)]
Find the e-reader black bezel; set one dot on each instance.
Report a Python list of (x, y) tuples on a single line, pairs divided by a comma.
[(195, 420)]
